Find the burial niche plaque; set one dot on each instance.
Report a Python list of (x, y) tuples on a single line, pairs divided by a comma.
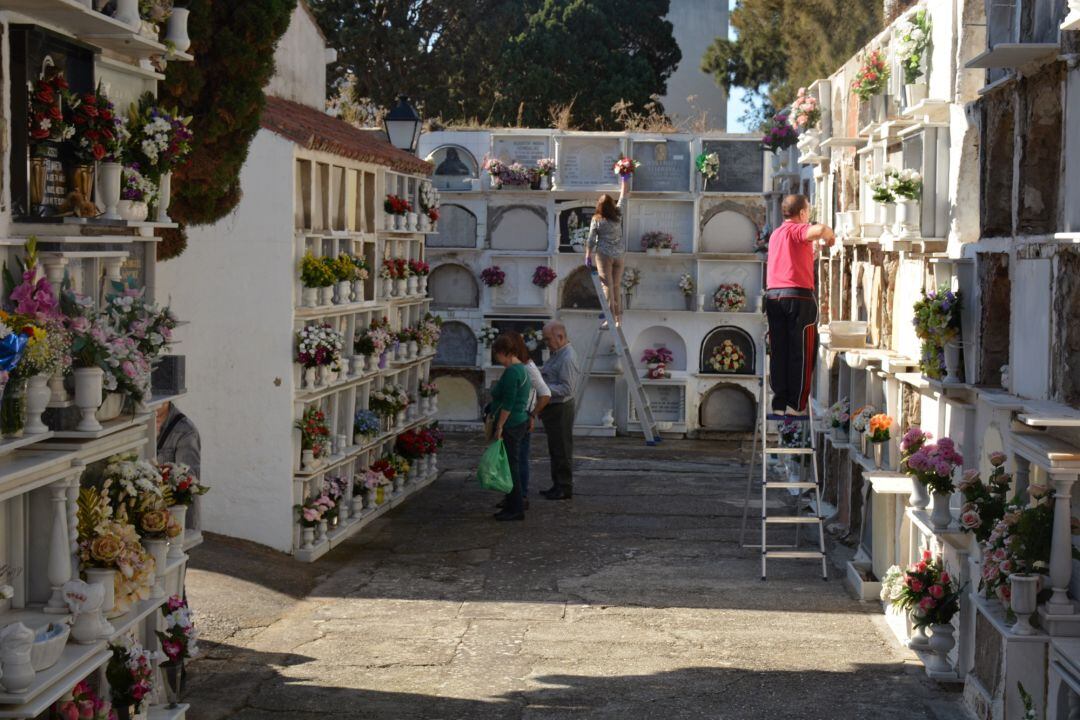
[(585, 162), (665, 166), (741, 166), (524, 150), (668, 403), (457, 228), (457, 346)]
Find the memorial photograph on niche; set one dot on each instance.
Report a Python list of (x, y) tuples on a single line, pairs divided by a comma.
[(455, 168), (574, 227)]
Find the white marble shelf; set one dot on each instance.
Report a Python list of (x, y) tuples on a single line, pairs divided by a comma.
[(303, 312), (107, 428), (76, 662), (9, 444), (953, 534), (407, 300), (92, 450), (336, 461), (31, 468), (310, 395)]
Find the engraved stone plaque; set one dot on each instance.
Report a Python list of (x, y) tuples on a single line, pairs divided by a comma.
[(585, 162), (525, 150), (665, 166), (457, 228), (457, 346), (668, 403), (741, 166), (667, 216), (453, 286)]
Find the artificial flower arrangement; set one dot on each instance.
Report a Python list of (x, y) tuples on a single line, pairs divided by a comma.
[(543, 276), (838, 416), (137, 186), (429, 330), (374, 340), (913, 40), (657, 360), (872, 77), (429, 201), (314, 273), (428, 389), (927, 592), (937, 322), (493, 276), (419, 268), (502, 174), (779, 134), (487, 335), (395, 205), (907, 184), (630, 280), (313, 510), (85, 704), (314, 431), (658, 240), (334, 489), (1019, 543), (179, 639), (148, 324), (395, 269), (342, 268), (791, 432), (414, 444), (729, 297), (727, 358), (384, 468), (130, 672), (319, 345), (806, 109), (624, 167), (534, 339), (878, 428), (99, 133), (861, 418), (933, 464), (686, 284), (160, 138), (984, 502), (883, 185), (399, 463), (708, 164), (46, 117), (910, 444), (366, 424), (182, 482), (388, 401), (545, 167), (107, 542)]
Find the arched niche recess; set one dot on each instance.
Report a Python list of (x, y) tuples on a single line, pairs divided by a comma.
[(455, 167), (459, 399), (739, 337), (518, 227), (457, 228), (453, 286), (578, 292), (457, 346), (728, 408), (660, 335), (728, 229)]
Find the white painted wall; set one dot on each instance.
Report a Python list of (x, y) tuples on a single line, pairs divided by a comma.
[(696, 24), (301, 63), (234, 286)]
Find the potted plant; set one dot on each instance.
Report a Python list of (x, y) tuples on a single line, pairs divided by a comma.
[(160, 141), (318, 346), (878, 429), (933, 464), (727, 358), (913, 42), (96, 136), (908, 190), (870, 83), (657, 242), (428, 333), (937, 324), (84, 704), (417, 269), (402, 273), (309, 515), (486, 335), (630, 280), (429, 207), (656, 361), (729, 297)]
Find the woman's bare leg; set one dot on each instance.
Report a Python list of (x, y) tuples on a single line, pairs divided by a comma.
[(605, 267), (617, 266)]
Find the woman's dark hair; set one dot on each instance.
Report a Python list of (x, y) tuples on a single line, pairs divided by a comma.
[(606, 209), (505, 345), (520, 348)]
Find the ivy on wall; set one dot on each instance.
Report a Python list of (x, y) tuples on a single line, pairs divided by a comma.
[(233, 42)]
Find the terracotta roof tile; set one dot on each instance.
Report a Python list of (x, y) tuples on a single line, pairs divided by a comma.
[(316, 130)]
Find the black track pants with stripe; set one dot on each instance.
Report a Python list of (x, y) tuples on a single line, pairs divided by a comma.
[(793, 342)]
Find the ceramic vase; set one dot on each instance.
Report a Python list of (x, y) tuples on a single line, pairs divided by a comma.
[(127, 12), (411, 284), (357, 363), (16, 670), (401, 287), (358, 291), (106, 577), (422, 284), (307, 459), (159, 550), (952, 362), (176, 30), (57, 392), (109, 188), (309, 378), (357, 504), (88, 397), (37, 399), (915, 93), (323, 527), (940, 516), (164, 199), (176, 545), (134, 211), (1024, 590), (399, 222), (388, 221), (941, 642), (344, 292), (326, 295), (908, 222), (307, 536), (919, 498), (414, 349), (888, 220)]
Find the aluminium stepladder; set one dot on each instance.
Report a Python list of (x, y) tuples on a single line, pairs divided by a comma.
[(808, 460), (638, 395)]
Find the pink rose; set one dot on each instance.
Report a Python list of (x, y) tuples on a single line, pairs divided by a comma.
[(915, 584), (68, 711), (945, 578), (999, 555), (927, 604), (970, 519), (1037, 490), (997, 458), (936, 592)]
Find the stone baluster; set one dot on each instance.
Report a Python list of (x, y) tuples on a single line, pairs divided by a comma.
[(60, 567), (55, 268), (1021, 476), (1061, 546), (112, 268)]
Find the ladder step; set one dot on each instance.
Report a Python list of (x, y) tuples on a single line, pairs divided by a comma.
[(786, 484), (780, 418), (792, 519), (788, 451), (795, 554)]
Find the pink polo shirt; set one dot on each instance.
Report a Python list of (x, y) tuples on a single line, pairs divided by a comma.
[(791, 257)]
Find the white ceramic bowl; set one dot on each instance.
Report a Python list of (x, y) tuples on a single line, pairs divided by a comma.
[(46, 653)]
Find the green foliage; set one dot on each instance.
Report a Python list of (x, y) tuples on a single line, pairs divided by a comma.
[(502, 62), (316, 272), (233, 44), (343, 268), (786, 44)]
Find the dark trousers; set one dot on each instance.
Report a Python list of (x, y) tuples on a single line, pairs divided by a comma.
[(514, 440), (558, 419), (526, 453), (793, 344)]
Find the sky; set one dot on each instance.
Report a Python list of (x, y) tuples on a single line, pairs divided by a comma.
[(736, 102)]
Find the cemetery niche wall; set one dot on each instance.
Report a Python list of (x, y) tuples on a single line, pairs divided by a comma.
[(524, 227)]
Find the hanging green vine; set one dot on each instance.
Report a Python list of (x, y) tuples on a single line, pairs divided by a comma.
[(233, 44)]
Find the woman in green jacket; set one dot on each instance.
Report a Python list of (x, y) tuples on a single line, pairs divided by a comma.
[(509, 400)]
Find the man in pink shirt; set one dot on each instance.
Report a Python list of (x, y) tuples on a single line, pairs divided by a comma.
[(791, 306)]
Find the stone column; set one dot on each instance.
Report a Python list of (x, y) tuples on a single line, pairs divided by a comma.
[(60, 567), (54, 271), (1061, 546), (1021, 476)]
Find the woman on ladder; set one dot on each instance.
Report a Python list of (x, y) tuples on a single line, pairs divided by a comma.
[(607, 241)]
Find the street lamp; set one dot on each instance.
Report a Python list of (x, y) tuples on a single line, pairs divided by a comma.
[(402, 125)]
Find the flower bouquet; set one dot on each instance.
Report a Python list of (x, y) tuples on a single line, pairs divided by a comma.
[(984, 502), (933, 465), (708, 164), (429, 202), (657, 360), (883, 186), (487, 335), (98, 129), (791, 432), (872, 77), (907, 184), (319, 346), (878, 428), (806, 110), (630, 280), (137, 188), (543, 276), (1019, 543), (779, 134), (937, 324), (83, 705), (394, 205), (130, 673), (182, 483), (366, 425), (108, 543), (928, 593), (313, 432), (179, 641), (729, 297), (493, 276), (419, 268), (860, 418), (312, 511), (534, 339), (913, 39), (839, 419), (545, 167), (314, 273), (657, 242), (47, 123), (624, 167), (686, 284), (727, 358), (160, 138)]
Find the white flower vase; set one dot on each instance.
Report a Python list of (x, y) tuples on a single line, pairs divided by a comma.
[(545, 182), (106, 577), (127, 12), (357, 364), (915, 93), (941, 642), (357, 505), (344, 292), (1023, 597), (919, 498), (309, 297), (58, 393), (176, 546), (422, 283), (84, 601), (358, 291), (88, 397), (434, 406), (425, 223), (410, 221), (952, 362), (399, 222), (176, 31), (388, 221), (323, 527), (908, 225), (37, 399), (108, 184), (388, 287), (775, 161), (400, 419), (309, 378), (401, 287), (414, 349), (399, 483), (307, 460), (940, 515), (307, 538), (164, 198), (158, 549), (326, 295), (344, 510), (887, 215), (16, 641), (134, 211), (411, 284)]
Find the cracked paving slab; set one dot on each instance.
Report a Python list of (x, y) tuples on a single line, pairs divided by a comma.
[(632, 601)]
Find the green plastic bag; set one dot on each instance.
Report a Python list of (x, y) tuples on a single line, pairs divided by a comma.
[(494, 469)]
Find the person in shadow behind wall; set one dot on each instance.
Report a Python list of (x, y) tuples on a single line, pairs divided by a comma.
[(178, 442)]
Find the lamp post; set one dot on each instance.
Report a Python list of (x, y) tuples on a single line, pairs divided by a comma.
[(402, 125)]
